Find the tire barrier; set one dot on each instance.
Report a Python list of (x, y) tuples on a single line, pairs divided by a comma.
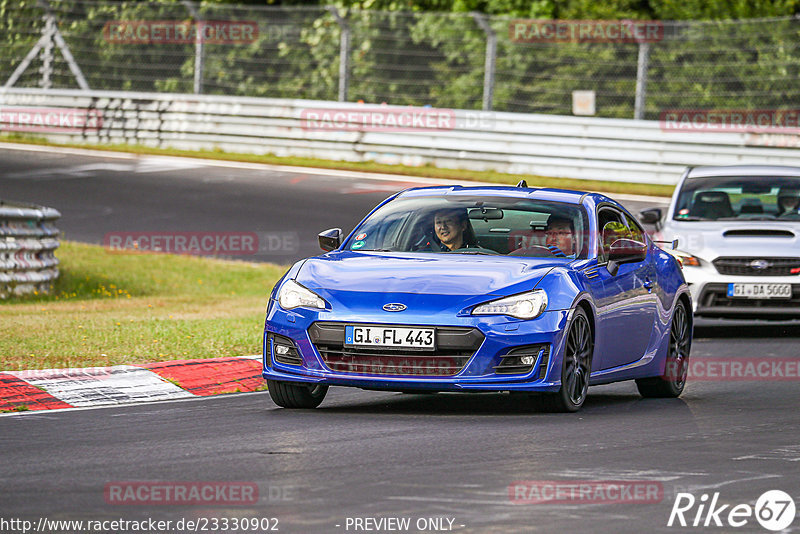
[(28, 239)]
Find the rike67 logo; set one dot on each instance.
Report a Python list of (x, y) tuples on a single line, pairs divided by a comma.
[(774, 510)]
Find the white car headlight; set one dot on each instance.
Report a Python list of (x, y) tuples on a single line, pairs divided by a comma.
[(523, 306), (293, 295), (684, 258)]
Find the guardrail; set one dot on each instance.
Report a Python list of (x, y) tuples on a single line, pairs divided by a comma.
[(548, 145), (28, 239)]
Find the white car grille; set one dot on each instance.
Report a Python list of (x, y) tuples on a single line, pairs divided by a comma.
[(757, 266)]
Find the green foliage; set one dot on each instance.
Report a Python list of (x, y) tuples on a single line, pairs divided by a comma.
[(722, 9), (404, 53), (20, 24)]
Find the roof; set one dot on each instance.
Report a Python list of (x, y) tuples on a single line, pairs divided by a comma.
[(539, 193), (744, 170)]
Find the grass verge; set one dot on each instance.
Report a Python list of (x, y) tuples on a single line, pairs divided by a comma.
[(425, 171), (121, 307)]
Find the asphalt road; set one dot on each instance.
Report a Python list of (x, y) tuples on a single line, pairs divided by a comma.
[(103, 196), (367, 454), (100, 197)]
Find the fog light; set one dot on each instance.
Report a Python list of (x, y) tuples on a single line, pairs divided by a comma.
[(281, 350), (522, 359)]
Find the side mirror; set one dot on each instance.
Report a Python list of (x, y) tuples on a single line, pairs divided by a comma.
[(651, 216), (627, 251), (330, 239)]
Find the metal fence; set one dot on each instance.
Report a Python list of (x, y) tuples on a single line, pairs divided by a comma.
[(28, 239), (463, 61), (548, 145)]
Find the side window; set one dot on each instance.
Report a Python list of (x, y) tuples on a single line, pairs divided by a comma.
[(611, 226), (637, 233)]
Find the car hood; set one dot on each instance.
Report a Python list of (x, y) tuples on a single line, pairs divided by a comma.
[(422, 274), (710, 240)]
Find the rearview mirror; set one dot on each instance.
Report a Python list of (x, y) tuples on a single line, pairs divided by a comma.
[(627, 251), (485, 213), (330, 239), (650, 216)]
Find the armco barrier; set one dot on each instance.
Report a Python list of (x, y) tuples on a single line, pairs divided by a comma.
[(28, 239), (549, 145)]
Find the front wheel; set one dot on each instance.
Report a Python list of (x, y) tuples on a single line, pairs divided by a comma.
[(676, 368), (575, 367), (294, 395)]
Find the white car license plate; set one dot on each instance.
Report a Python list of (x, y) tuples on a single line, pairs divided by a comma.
[(760, 291), (390, 336)]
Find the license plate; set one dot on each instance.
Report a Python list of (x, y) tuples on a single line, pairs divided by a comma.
[(390, 336), (760, 291)]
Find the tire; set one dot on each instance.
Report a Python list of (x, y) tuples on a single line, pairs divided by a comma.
[(676, 367), (294, 395), (576, 366)]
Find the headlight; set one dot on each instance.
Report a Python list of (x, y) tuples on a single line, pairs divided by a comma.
[(293, 295), (523, 306), (684, 258)]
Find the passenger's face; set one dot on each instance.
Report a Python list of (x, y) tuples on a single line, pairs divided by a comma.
[(448, 229), (559, 234), (790, 203)]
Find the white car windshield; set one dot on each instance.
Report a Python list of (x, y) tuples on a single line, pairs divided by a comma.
[(739, 198), (476, 225)]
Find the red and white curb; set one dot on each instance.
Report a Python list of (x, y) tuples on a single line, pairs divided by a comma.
[(50, 389)]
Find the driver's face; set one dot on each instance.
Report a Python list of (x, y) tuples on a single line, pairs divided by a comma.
[(790, 203), (448, 229), (559, 235)]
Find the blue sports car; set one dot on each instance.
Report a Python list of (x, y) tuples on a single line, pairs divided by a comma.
[(475, 289)]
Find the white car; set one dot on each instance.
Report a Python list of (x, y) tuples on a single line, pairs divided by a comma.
[(737, 230)]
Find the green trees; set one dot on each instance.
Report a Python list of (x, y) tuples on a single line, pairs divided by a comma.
[(430, 52)]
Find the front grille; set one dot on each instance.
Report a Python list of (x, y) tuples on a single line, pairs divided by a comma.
[(454, 347), (742, 267), (511, 363), (716, 296)]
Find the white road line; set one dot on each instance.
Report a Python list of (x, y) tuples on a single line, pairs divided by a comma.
[(70, 151), (191, 398)]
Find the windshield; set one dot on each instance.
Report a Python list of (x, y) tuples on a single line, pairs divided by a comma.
[(739, 198), (476, 225)]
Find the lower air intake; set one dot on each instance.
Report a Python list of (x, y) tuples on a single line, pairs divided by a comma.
[(454, 347)]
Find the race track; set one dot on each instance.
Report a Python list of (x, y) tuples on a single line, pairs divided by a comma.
[(367, 454)]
